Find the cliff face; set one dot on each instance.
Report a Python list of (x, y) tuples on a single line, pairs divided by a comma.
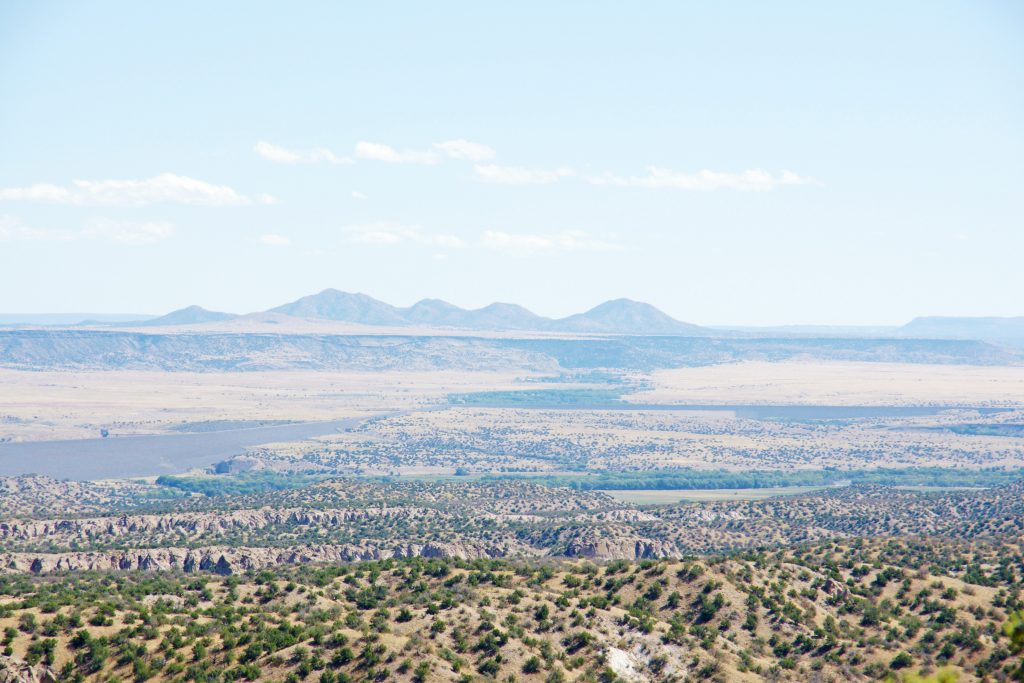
[(194, 523), (227, 560)]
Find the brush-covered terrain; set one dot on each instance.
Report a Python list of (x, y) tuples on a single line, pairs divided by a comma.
[(346, 520), (349, 580), (831, 611), (457, 526)]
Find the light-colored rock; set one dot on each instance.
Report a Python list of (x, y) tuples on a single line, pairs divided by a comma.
[(597, 548), (18, 671), (625, 665)]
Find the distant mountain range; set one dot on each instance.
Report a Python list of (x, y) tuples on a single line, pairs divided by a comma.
[(620, 316)]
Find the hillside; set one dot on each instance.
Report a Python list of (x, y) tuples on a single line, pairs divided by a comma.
[(826, 612), (345, 580)]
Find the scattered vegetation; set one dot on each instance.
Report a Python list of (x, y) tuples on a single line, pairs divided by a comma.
[(851, 611), (239, 484)]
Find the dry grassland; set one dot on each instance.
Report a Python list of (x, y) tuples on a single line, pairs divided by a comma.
[(73, 405), (838, 383)]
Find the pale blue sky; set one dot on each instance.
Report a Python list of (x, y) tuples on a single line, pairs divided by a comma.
[(731, 163)]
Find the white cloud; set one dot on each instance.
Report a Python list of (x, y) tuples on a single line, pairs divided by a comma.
[(265, 198), (570, 240), (166, 187), (388, 154), (465, 150), (374, 151), (275, 240), (514, 175), (450, 241), (754, 180), (277, 154), (281, 155), (327, 156), (12, 229), (394, 234), (384, 234), (356, 194), (127, 232)]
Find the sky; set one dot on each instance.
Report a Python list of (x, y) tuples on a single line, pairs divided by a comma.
[(741, 163)]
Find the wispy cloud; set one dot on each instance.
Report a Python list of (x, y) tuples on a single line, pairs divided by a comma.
[(124, 232), (394, 234), (569, 240), (12, 229), (277, 154), (275, 240), (385, 234), (465, 150), (356, 194), (164, 188), (379, 152), (754, 180), (282, 155), (516, 175), (127, 232)]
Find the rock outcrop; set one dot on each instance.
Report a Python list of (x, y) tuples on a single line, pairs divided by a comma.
[(619, 548), (14, 670)]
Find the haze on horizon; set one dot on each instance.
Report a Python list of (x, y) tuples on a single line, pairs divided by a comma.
[(740, 165)]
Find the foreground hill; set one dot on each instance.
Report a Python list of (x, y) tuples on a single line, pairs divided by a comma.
[(858, 611), (347, 580)]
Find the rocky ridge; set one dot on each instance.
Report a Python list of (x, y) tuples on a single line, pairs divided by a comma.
[(195, 523), (229, 560)]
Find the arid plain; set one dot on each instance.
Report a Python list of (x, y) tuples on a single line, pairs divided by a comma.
[(586, 509)]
